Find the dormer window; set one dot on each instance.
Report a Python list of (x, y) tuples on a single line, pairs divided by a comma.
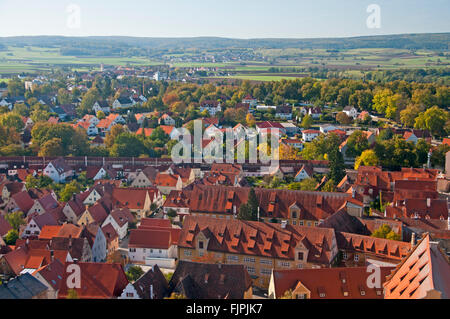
[(300, 255), (200, 245)]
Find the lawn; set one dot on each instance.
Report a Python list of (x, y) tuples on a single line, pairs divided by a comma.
[(31, 59)]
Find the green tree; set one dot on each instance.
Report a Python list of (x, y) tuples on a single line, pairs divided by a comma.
[(434, 120), (253, 204), (385, 231), (134, 273), (115, 131), (39, 116), (336, 164), (69, 189), (172, 213), (21, 109), (438, 155), (356, 144), (307, 121), (329, 186), (42, 181), (367, 158), (126, 145), (11, 237), (101, 115), (308, 184), (244, 212), (16, 87), (15, 219), (322, 145), (409, 114), (12, 120), (52, 147), (343, 118), (88, 101)]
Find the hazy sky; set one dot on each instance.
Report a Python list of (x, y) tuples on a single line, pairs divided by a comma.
[(225, 18)]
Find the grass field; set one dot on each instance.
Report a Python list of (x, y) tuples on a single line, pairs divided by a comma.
[(351, 62), (31, 59)]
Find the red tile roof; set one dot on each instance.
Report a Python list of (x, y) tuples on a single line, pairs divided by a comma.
[(132, 198), (98, 281), (150, 238), (166, 180), (426, 268), (156, 222), (385, 248), (273, 203), (23, 200), (5, 227), (259, 239), (66, 230), (332, 283)]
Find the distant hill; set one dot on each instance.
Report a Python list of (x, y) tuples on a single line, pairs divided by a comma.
[(117, 45)]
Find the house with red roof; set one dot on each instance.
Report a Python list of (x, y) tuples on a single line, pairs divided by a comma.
[(291, 206), (304, 172), (259, 246), (137, 200), (75, 207), (309, 135), (21, 201), (97, 281), (154, 243), (166, 119), (51, 276), (112, 238), (58, 170), (66, 230), (248, 99), (120, 219), (168, 182), (360, 250), (21, 173), (151, 285), (35, 224), (44, 204), (270, 127), (197, 280), (326, 283), (423, 274), (8, 189), (97, 241), (145, 177)]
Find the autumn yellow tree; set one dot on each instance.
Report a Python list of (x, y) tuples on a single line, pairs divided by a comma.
[(287, 152), (250, 120)]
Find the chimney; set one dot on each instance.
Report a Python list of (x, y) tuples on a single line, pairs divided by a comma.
[(413, 239), (428, 202), (283, 224), (75, 260), (151, 292), (52, 255)]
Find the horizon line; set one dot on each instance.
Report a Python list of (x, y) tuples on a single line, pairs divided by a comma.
[(222, 37)]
